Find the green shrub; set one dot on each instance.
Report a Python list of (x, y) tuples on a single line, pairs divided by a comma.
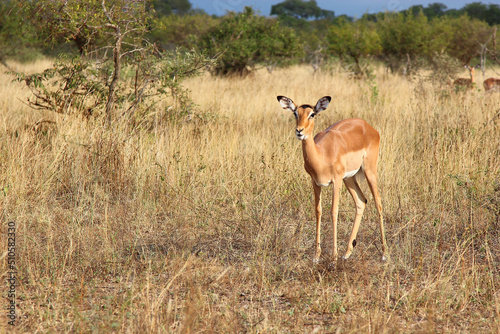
[(354, 43), (243, 40)]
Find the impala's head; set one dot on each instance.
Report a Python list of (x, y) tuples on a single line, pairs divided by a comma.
[(472, 69), (304, 114)]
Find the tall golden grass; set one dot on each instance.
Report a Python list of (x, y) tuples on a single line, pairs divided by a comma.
[(207, 224)]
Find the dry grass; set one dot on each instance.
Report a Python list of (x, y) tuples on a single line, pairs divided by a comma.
[(208, 225)]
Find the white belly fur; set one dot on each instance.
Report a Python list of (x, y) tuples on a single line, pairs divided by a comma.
[(322, 184), (346, 176), (351, 173)]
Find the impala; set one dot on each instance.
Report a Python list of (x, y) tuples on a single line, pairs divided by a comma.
[(468, 83), (345, 149), (491, 84)]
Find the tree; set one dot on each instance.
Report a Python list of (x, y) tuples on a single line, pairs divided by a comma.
[(16, 34), (467, 35), (354, 42), (434, 10), (181, 31), (114, 34), (487, 13), (492, 51), (6, 30), (245, 39), (301, 10), (168, 7), (415, 10), (404, 37)]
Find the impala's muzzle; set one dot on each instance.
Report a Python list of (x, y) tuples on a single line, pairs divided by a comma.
[(299, 134)]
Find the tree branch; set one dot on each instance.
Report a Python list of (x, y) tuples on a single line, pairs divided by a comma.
[(493, 53)]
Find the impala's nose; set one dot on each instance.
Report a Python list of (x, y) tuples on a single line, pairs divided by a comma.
[(299, 134)]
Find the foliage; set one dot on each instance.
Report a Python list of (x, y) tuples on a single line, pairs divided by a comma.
[(74, 85), (310, 24), (354, 43), (488, 13), (16, 34), (418, 37), (432, 10), (465, 36), (169, 7), (65, 86), (403, 37), (246, 39), (57, 22), (184, 31), (492, 47), (300, 9), (96, 81), (435, 10)]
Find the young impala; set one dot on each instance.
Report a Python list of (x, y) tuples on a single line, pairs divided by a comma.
[(346, 148), (467, 83)]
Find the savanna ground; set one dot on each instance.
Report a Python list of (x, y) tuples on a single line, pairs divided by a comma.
[(207, 224)]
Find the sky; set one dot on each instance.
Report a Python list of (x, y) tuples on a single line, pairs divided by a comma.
[(353, 8)]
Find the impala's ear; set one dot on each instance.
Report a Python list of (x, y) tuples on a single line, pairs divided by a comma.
[(286, 103), (322, 104)]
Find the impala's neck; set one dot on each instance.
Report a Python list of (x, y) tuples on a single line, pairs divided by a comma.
[(311, 153), (471, 71)]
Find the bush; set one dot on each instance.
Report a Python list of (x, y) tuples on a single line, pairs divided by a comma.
[(404, 38), (245, 39), (353, 43)]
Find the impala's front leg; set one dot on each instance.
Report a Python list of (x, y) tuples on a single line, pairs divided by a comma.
[(317, 205), (335, 214)]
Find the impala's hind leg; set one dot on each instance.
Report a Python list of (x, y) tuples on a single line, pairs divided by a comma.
[(360, 201)]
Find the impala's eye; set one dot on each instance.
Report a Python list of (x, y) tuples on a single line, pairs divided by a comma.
[(311, 115)]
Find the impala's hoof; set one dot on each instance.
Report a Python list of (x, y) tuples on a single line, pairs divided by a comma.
[(346, 256), (384, 258)]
